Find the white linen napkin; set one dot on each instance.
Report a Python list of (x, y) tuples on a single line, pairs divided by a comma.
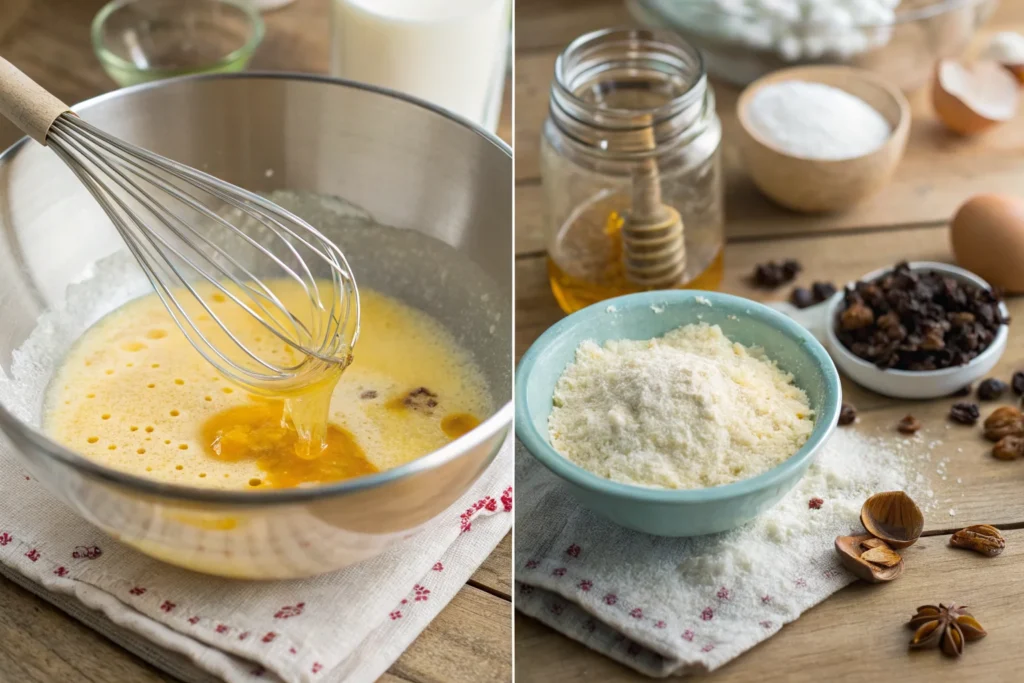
[(350, 625), (668, 606)]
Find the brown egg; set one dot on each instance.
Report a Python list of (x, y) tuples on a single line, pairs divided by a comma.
[(987, 234)]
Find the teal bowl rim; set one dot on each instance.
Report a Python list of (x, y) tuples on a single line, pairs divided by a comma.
[(824, 423), (106, 57)]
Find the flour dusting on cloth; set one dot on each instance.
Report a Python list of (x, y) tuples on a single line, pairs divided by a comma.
[(691, 409)]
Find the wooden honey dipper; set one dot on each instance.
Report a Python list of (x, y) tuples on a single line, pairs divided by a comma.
[(653, 249)]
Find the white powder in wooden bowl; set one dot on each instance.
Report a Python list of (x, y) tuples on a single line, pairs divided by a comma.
[(691, 409)]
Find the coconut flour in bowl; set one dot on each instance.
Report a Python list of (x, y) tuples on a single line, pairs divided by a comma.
[(691, 409)]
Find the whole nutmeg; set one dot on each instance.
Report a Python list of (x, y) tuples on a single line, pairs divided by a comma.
[(981, 538), (1009, 448), (1004, 421)]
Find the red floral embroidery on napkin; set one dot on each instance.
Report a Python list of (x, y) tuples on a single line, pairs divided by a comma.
[(83, 552), (289, 611)]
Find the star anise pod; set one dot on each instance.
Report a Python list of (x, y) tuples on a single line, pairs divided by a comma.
[(946, 627)]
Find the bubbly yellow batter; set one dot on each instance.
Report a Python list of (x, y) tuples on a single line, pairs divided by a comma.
[(134, 395)]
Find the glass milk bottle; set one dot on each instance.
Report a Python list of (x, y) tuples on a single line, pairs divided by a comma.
[(452, 53), (631, 124)]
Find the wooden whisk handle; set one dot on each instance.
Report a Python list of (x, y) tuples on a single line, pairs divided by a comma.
[(27, 104)]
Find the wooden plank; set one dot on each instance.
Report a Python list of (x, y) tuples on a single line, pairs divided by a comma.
[(552, 24), (989, 491), (859, 634), (937, 173), (470, 641), (495, 574), (40, 644)]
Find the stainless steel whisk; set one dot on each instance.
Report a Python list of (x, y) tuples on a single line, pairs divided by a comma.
[(176, 221)]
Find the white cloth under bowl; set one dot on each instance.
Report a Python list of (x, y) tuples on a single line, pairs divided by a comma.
[(349, 625), (668, 606)]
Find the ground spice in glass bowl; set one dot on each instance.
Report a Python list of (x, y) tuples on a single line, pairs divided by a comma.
[(917, 330)]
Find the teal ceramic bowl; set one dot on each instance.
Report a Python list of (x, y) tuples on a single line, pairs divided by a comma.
[(670, 512)]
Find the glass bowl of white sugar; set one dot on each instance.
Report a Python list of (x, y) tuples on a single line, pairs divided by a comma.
[(742, 40), (676, 413)]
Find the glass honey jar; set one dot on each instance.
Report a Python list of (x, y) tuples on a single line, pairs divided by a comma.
[(631, 169)]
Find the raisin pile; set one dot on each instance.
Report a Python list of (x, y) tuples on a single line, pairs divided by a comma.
[(910, 320)]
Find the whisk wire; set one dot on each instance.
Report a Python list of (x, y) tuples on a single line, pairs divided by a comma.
[(192, 202), (339, 267), (147, 257), (139, 191)]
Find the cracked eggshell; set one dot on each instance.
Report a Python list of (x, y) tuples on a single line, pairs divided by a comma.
[(970, 99)]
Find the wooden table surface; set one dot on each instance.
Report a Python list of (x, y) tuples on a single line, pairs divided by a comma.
[(470, 641), (858, 634)]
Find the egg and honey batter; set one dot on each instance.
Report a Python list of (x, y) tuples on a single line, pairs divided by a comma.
[(133, 394)]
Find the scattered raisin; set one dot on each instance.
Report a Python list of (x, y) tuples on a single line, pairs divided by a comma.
[(822, 291), (909, 425), (801, 297), (918, 320), (1018, 383), (856, 316), (965, 413), (773, 274), (991, 389), (815, 503), (847, 414)]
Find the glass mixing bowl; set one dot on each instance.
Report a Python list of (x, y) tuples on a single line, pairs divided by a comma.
[(740, 46), (444, 184)]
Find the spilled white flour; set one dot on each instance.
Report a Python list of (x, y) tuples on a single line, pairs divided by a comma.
[(691, 409)]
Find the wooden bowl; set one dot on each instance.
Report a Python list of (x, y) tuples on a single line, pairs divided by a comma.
[(818, 185)]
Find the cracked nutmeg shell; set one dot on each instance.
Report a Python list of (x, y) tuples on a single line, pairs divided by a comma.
[(869, 558), (894, 517), (981, 538)]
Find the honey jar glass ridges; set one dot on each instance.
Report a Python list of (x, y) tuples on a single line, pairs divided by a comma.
[(623, 102)]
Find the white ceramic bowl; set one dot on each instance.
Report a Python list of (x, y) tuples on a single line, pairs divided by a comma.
[(921, 384)]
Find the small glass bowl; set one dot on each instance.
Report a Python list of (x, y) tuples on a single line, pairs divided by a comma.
[(147, 40)]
